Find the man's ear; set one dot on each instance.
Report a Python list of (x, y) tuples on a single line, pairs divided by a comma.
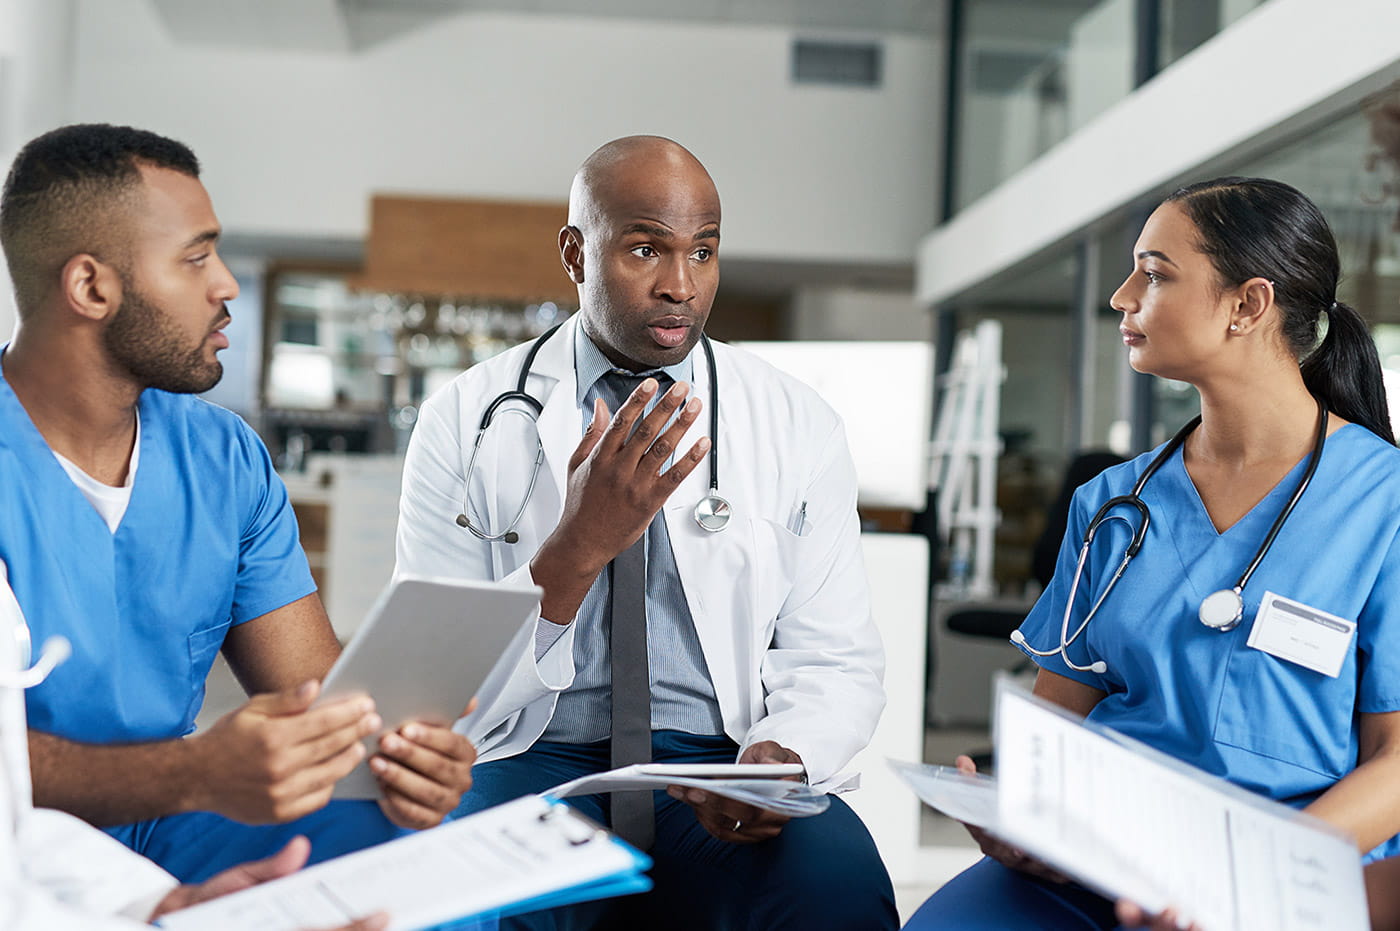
[(1252, 302), (571, 253), (90, 287)]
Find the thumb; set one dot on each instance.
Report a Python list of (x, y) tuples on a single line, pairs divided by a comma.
[(235, 879), (592, 435), (294, 700), (965, 765)]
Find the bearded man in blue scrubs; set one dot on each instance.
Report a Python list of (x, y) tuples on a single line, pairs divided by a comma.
[(149, 528)]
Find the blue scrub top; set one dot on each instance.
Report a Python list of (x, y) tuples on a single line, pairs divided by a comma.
[(1201, 695), (208, 540)]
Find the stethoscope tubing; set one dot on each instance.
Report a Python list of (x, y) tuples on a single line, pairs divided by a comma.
[(1139, 534)]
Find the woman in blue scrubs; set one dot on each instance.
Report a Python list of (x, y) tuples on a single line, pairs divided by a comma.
[(1231, 282)]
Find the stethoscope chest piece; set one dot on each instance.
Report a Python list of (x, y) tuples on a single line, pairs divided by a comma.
[(1222, 610), (712, 513)]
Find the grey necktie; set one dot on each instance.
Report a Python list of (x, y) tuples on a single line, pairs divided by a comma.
[(633, 817)]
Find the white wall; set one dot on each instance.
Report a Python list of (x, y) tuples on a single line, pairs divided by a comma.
[(36, 51), (857, 314), (508, 105), (1278, 69)]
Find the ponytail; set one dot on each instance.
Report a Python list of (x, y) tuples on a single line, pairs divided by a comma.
[(1258, 228), (1345, 372)]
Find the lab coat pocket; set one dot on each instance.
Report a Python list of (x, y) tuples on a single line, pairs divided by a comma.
[(1277, 709), (203, 647)]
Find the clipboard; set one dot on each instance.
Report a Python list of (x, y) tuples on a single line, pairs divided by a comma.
[(427, 646), (1126, 820), (522, 856)]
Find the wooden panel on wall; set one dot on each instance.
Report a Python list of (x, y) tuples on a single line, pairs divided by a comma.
[(477, 248)]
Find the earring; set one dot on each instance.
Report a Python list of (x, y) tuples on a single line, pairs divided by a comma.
[(1234, 328)]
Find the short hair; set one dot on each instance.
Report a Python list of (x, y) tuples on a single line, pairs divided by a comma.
[(65, 195)]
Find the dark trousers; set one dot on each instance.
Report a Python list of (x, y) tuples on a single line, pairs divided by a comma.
[(819, 873), (990, 897)]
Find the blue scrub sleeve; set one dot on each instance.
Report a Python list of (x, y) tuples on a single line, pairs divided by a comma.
[(1378, 634), (272, 568), (1041, 628)]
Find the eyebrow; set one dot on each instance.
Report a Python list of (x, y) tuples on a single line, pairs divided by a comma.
[(201, 239), (1154, 254), (661, 232)]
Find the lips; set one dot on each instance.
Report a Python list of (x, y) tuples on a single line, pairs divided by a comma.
[(217, 337), (669, 331), (1131, 337)]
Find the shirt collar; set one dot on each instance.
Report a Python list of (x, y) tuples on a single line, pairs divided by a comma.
[(590, 365)]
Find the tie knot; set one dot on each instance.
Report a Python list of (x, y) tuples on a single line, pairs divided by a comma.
[(616, 386)]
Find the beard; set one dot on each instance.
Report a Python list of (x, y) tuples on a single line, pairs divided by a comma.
[(144, 341)]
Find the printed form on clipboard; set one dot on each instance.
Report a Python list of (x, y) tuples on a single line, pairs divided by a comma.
[(522, 856), (1131, 822)]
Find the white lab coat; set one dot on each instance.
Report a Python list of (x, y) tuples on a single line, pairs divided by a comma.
[(57, 871), (780, 601)]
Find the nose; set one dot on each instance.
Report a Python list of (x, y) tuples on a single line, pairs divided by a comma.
[(223, 286), (675, 281), (1122, 298)]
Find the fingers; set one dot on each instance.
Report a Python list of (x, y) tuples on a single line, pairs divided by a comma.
[(618, 432), (653, 437), (376, 922), (288, 701), (729, 820), (323, 746), (311, 726), (309, 788), (965, 765), (591, 435), (423, 771)]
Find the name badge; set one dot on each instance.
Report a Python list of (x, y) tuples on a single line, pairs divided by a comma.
[(1295, 632)]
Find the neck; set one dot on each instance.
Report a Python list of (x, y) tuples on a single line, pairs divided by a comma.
[(1255, 419), (84, 408)]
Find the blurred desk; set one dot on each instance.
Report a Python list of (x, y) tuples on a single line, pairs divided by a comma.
[(963, 664)]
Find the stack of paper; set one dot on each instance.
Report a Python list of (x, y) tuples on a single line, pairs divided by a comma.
[(763, 785)]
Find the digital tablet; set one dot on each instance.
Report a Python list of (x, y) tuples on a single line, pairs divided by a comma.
[(426, 648)]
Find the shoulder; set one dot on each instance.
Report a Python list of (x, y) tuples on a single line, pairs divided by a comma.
[(193, 416), (203, 435), (1357, 456)]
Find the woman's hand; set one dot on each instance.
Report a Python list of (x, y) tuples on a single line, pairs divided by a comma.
[(1000, 850), (1132, 916)]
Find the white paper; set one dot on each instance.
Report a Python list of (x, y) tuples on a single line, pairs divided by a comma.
[(1131, 822), (967, 797), (783, 796), (504, 855)]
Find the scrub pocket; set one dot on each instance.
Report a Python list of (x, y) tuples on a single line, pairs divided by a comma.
[(203, 647), (1283, 711)]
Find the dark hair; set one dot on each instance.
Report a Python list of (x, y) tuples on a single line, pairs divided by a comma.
[(61, 195), (1258, 228)]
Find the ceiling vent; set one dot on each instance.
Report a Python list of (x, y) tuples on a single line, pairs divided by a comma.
[(844, 64)]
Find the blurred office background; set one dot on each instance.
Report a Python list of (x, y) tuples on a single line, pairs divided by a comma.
[(391, 174)]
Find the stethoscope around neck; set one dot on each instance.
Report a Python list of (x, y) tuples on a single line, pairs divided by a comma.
[(712, 512), (1220, 610)]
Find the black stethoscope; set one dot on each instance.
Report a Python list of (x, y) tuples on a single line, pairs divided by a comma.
[(1220, 610), (712, 512)]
